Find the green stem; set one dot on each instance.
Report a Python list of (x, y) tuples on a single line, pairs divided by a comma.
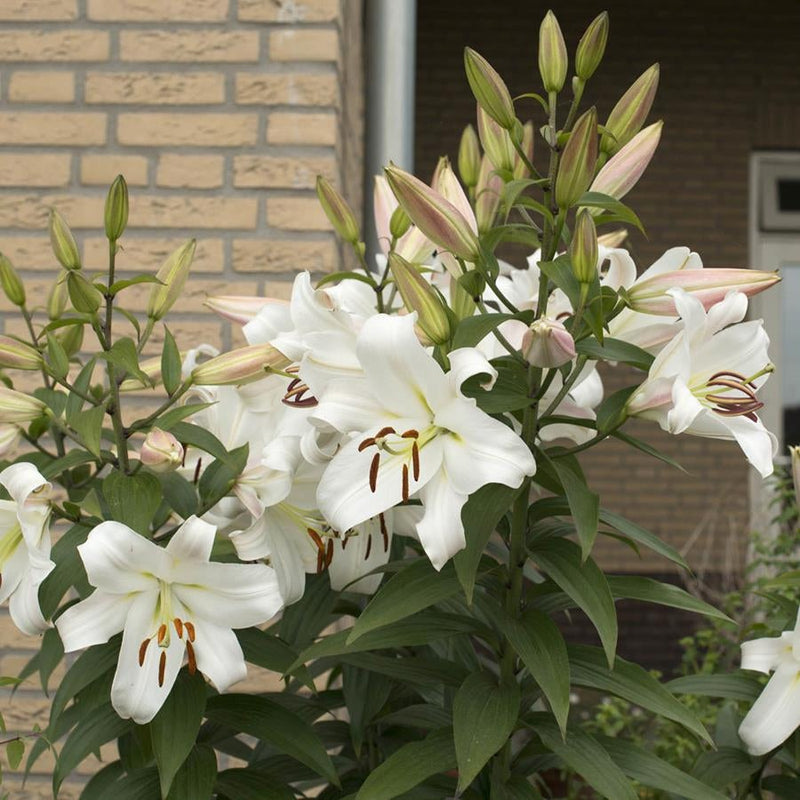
[(568, 384), (145, 422)]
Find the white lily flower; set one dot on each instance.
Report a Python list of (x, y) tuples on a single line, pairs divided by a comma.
[(24, 544), (704, 381), (172, 604), (414, 434), (775, 715)]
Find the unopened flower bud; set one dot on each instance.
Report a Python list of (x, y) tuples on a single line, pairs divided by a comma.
[(418, 295), (488, 194), (446, 184), (84, 296), (520, 167), (11, 283), (583, 248), (116, 211), (489, 89), (172, 274), (152, 370), (612, 239), (552, 54), (239, 308), (18, 407), (435, 216), (591, 47), (794, 452), (9, 438), (496, 142), (161, 451), (337, 211), (576, 168), (63, 242), (399, 222), (622, 172), (71, 339), (547, 343), (629, 114), (18, 355), (469, 157), (244, 365), (57, 298)]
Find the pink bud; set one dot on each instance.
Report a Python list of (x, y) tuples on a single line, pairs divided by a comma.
[(624, 169), (547, 343), (18, 407), (9, 438), (384, 204), (161, 451), (244, 365), (488, 194), (446, 183), (239, 308)]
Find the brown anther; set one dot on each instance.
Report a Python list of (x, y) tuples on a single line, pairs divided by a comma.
[(373, 472), (296, 393), (189, 630), (345, 539), (415, 459), (737, 376), (329, 553), (162, 666), (317, 539), (369, 547), (143, 651), (410, 434), (384, 532), (178, 627), (162, 632), (192, 660), (385, 432), (366, 443), (405, 482), (196, 476)]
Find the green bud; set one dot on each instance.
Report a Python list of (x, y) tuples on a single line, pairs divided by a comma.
[(172, 274), (629, 114), (461, 302), (116, 212), (71, 339), (591, 47), (63, 242), (488, 194), (489, 89), (18, 355), (469, 157), (84, 297), (337, 211), (418, 295), (496, 142), (552, 54), (520, 168), (578, 161), (583, 248), (57, 299), (11, 282), (399, 222)]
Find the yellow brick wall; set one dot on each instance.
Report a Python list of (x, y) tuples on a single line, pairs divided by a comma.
[(220, 114)]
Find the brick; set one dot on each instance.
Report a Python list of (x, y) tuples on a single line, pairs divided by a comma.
[(158, 10), (42, 87), (300, 45), (295, 89), (152, 88), (38, 10), (281, 172), (288, 10), (29, 211), (195, 172), (284, 255), (101, 169), (193, 296), (34, 169), (198, 130), (311, 129), (29, 253), (229, 213), (147, 254), (189, 46), (63, 45), (40, 127), (188, 333), (296, 214)]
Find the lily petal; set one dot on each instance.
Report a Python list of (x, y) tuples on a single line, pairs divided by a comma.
[(219, 654), (193, 540), (764, 655), (441, 531), (94, 620), (24, 607), (775, 714)]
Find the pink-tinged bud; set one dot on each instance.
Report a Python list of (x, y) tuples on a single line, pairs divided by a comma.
[(418, 295), (469, 157), (612, 239), (445, 182), (708, 285), (436, 217), (591, 47), (496, 142), (629, 114), (9, 439), (152, 370), (576, 168), (583, 248), (18, 407), (488, 194), (547, 343), (552, 54), (161, 451), (337, 211), (622, 172), (489, 89), (384, 204), (18, 355), (520, 167), (244, 365), (239, 308)]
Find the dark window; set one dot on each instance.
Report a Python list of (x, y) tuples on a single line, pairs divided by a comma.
[(789, 194)]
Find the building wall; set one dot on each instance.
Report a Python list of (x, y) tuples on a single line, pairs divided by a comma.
[(220, 114)]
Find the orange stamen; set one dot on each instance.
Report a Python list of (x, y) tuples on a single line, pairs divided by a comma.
[(162, 632), (329, 553), (415, 459), (189, 630), (373, 472), (178, 627), (162, 666), (405, 482), (192, 659), (369, 547), (143, 651)]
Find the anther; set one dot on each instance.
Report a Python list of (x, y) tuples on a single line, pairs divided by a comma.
[(178, 627), (384, 532), (143, 651), (385, 432), (162, 632), (162, 666), (405, 482), (415, 459), (373, 472), (366, 443), (369, 547), (329, 553), (196, 475), (410, 434), (191, 658), (189, 630)]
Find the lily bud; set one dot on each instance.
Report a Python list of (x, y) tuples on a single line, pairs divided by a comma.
[(612, 239), (238, 308), (622, 172), (399, 222), (488, 194), (547, 343), (794, 452), (172, 274), (57, 299), (435, 216), (18, 407), (84, 296), (469, 157), (11, 283), (71, 339), (18, 355), (116, 210), (337, 211), (552, 54), (591, 47), (63, 242), (151, 368), (576, 168), (496, 142), (583, 248), (9, 438), (628, 115), (161, 451), (520, 167), (709, 286), (489, 89), (418, 295), (244, 365), (446, 184)]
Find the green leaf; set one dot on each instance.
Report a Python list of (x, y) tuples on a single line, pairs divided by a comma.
[(725, 766), (118, 286), (648, 449), (584, 582), (195, 436), (619, 212), (142, 784), (175, 415), (219, 477), (736, 686), (303, 621), (174, 729), (196, 777), (14, 752), (89, 425), (266, 650), (484, 716), (81, 385), (509, 392), (416, 587), (411, 670), (480, 514), (365, 694), (560, 273), (123, 354), (57, 357), (642, 536), (170, 363), (51, 651), (611, 413), (648, 590), (409, 766), (102, 782), (632, 683), (583, 503), (180, 494), (783, 786), (250, 784), (472, 330), (68, 571), (260, 717), (540, 645), (615, 350), (72, 459), (133, 499)]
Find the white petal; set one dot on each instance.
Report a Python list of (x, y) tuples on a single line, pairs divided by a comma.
[(15, 568), (690, 310), (192, 541), (466, 362), (764, 655), (728, 311), (357, 555), (348, 405), (775, 714), (621, 269), (273, 319), (758, 444), (674, 259), (23, 479), (24, 607), (96, 619), (219, 654), (440, 530), (685, 409)]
